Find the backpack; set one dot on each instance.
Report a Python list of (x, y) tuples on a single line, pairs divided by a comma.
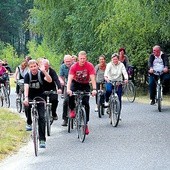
[(39, 76)]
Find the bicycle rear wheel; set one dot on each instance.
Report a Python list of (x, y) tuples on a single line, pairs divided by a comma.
[(8, 87), (81, 124), (1, 98), (35, 133), (48, 121), (115, 111), (19, 104), (99, 106), (159, 99), (130, 91), (70, 124), (6, 97)]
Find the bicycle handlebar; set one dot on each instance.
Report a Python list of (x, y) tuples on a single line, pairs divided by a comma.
[(158, 72), (47, 93), (116, 82), (36, 101), (77, 93)]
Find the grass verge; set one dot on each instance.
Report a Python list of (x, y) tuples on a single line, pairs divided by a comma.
[(12, 134)]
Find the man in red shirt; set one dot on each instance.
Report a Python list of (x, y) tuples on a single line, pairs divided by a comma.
[(79, 76)]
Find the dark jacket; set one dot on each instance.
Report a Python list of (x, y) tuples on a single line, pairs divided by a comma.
[(55, 81), (164, 58)]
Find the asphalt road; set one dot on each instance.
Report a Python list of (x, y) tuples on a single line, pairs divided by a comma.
[(140, 142)]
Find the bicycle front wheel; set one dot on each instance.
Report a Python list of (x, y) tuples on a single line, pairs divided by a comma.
[(48, 121), (99, 106), (6, 98), (130, 91), (8, 87), (35, 133), (19, 104), (81, 123), (159, 99), (115, 111), (70, 124), (1, 98)]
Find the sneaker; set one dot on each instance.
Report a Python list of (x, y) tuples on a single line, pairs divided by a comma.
[(87, 130), (42, 144), (96, 109), (28, 127), (152, 102), (106, 104), (62, 96), (64, 123), (55, 117), (72, 114)]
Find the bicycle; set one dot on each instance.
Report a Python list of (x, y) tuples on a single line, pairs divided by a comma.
[(130, 91), (7, 84), (80, 119), (20, 97), (100, 100), (35, 117), (114, 107), (49, 117), (159, 96), (4, 96)]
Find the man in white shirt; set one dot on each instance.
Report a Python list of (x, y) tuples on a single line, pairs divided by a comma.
[(158, 62)]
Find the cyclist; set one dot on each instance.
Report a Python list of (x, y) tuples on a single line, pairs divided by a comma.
[(33, 87), (123, 57), (6, 65), (52, 86), (3, 70), (64, 70), (100, 69), (20, 73), (113, 72), (158, 61), (78, 79), (74, 59)]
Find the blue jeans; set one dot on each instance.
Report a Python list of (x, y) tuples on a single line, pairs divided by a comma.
[(109, 88), (152, 83)]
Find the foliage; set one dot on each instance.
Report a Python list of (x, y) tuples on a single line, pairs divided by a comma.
[(13, 15), (102, 27), (7, 52), (37, 51)]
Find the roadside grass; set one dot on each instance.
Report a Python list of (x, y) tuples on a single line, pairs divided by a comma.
[(12, 134), (12, 83)]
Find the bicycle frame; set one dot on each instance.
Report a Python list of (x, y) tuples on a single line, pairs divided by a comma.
[(114, 104), (49, 118), (34, 113), (159, 95), (19, 101), (80, 114), (4, 95), (100, 105)]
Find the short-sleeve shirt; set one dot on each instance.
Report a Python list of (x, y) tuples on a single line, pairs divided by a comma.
[(35, 87), (81, 74), (2, 71), (64, 70), (99, 74)]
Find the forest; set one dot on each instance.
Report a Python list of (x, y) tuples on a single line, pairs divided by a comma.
[(53, 28)]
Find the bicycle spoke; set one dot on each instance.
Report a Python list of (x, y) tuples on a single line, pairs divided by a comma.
[(115, 112), (81, 124), (130, 92)]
